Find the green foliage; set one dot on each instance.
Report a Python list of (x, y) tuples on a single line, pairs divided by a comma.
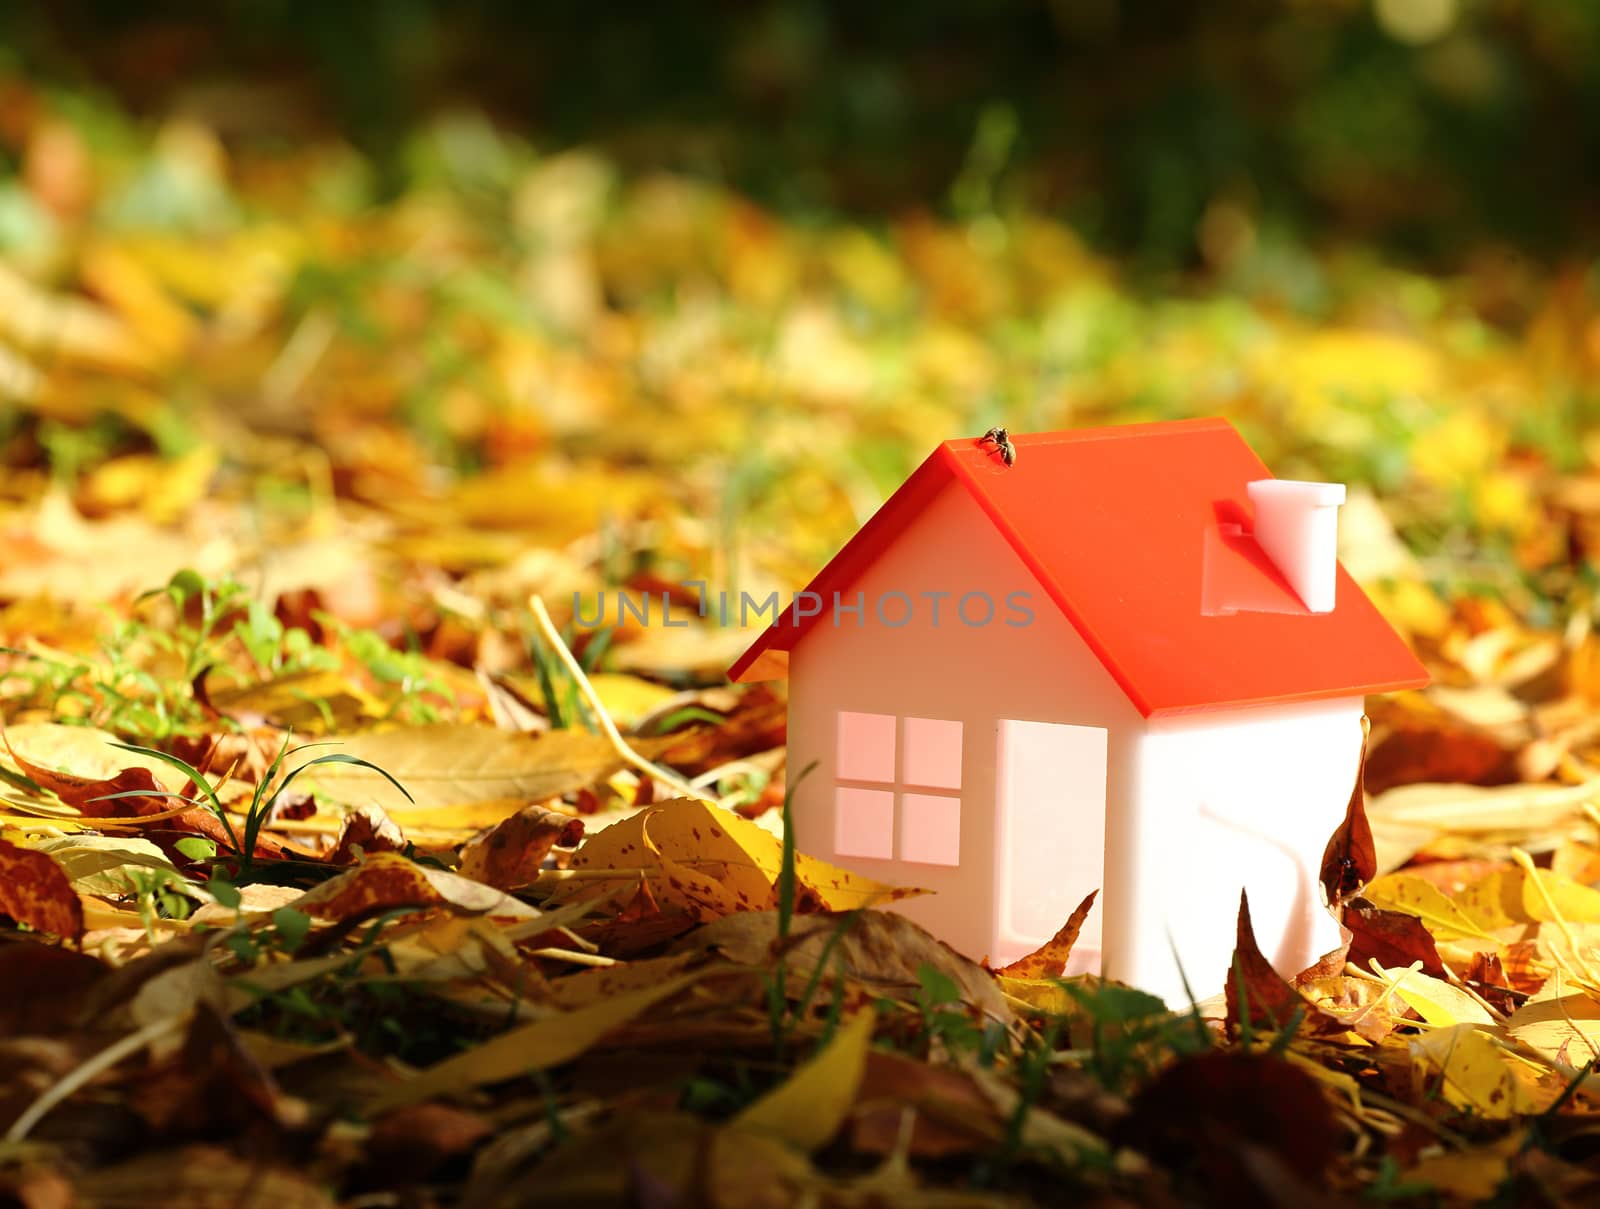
[(158, 894), (1128, 1034), (263, 797)]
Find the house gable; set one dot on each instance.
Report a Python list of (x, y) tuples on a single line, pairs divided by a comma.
[(957, 670), (1134, 535)]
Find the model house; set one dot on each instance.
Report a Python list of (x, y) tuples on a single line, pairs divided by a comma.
[(1127, 659)]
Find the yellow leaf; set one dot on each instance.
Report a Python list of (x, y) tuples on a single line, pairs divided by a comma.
[(1558, 897), (537, 1046), (1496, 901), (1472, 1175), (302, 700), (81, 753), (1412, 895), (628, 698), (1561, 1022), (1435, 1000), (684, 844), (810, 1106), (1470, 1071), (1040, 994), (138, 295)]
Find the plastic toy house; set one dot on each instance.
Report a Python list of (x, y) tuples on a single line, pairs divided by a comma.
[(1129, 661)]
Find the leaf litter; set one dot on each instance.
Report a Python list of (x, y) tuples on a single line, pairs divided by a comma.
[(298, 483)]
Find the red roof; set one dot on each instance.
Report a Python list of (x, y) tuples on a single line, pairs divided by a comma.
[(1139, 534)]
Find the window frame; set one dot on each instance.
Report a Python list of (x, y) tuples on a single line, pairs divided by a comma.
[(900, 788)]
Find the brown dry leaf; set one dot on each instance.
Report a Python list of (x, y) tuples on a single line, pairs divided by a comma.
[(34, 891), (1392, 938), (1350, 860), (1050, 959), (756, 721), (199, 1177), (708, 861), (1242, 1128), (367, 831), (509, 854), (1363, 1006), (952, 1116), (408, 1145), (453, 764), (42, 987), (1267, 999), (881, 951), (306, 701), (77, 762), (654, 1158), (386, 881)]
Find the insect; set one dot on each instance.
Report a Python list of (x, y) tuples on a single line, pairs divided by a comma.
[(1001, 440)]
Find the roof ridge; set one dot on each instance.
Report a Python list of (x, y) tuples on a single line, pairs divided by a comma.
[(1105, 432)]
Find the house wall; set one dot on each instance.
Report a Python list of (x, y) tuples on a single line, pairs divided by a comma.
[(1224, 800), (1041, 671)]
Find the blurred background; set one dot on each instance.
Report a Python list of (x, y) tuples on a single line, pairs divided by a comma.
[(686, 289), (1424, 124)]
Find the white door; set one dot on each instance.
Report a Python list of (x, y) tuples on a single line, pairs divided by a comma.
[(1050, 804)]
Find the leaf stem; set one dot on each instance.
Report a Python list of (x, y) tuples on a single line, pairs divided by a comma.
[(548, 632), (82, 1075)]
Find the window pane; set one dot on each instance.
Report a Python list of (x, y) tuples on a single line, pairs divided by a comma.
[(866, 747), (930, 829), (863, 822), (933, 753)]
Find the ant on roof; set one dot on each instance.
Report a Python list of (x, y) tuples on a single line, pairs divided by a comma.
[(1001, 440)]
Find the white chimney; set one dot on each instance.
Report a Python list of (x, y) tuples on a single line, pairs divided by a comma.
[(1297, 526)]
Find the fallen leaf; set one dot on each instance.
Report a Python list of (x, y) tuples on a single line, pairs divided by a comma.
[(510, 853), (809, 1107), (706, 860), (1413, 896), (1214, 1116), (881, 951), (1471, 1072), (1392, 938), (102, 864), (77, 763), (1472, 1175), (42, 986), (367, 831), (1256, 993), (34, 891), (1050, 959), (537, 1046), (387, 881), (199, 1177), (453, 764), (1562, 1024), (1350, 860), (408, 1145), (1439, 1003), (951, 1114)]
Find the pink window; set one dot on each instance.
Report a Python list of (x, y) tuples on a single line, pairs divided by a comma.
[(898, 788)]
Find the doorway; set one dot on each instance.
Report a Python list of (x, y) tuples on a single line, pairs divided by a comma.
[(1050, 807)]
